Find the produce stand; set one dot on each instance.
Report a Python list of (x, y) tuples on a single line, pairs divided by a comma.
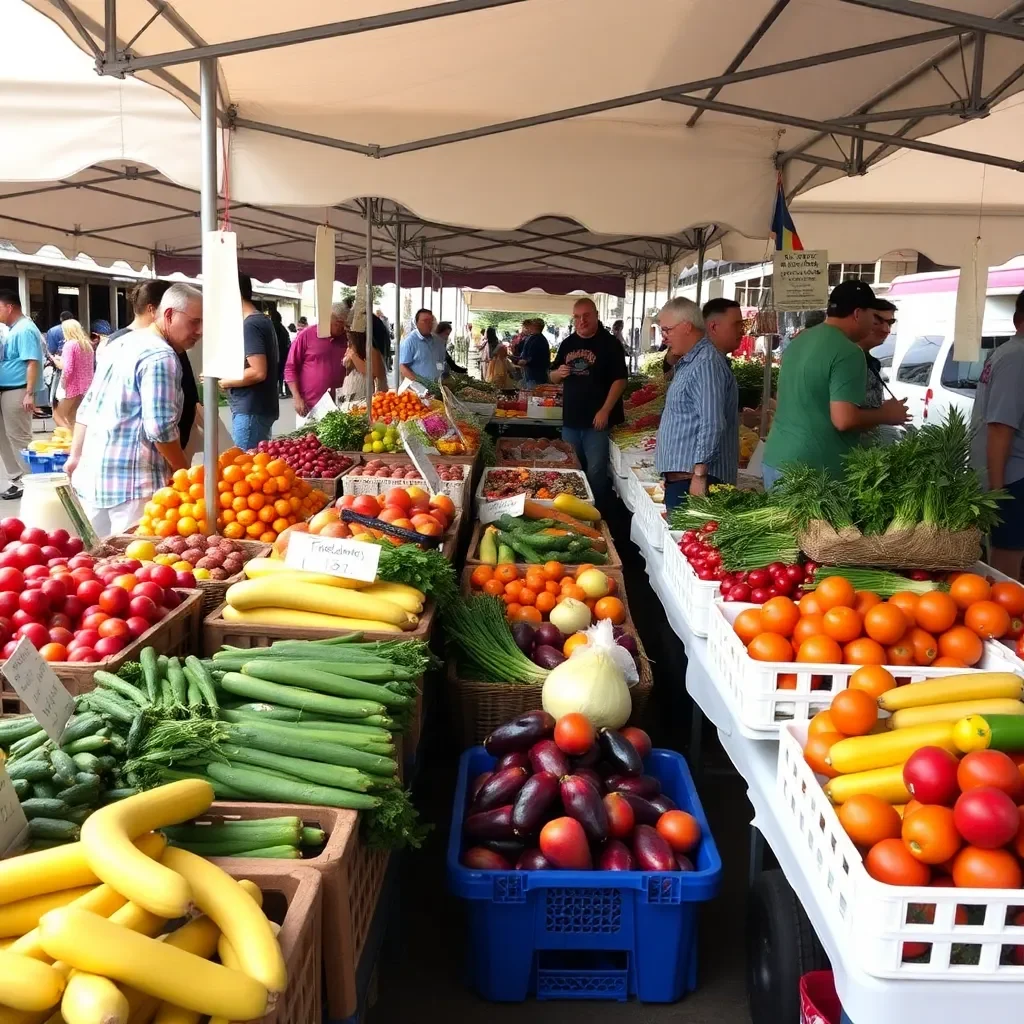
[(864, 996), (614, 561)]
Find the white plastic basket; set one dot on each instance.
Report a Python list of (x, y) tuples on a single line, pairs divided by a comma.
[(874, 916), (649, 516), (481, 500), (762, 707), (672, 568), (378, 484), (697, 595)]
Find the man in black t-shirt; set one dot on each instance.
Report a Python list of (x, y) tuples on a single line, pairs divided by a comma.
[(591, 368), (253, 398)]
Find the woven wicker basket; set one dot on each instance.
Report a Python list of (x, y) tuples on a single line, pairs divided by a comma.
[(925, 547)]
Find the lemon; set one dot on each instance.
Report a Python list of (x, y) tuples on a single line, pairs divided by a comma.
[(368, 447), (367, 438), (377, 435), (143, 550), (378, 446), (201, 574)]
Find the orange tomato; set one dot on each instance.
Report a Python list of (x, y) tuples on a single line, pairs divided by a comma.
[(808, 626), (527, 596), (527, 613), (900, 653), (821, 649), (865, 599), (493, 586), (821, 722), (610, 608), (748, 624), (833, 592), (512, 590), (770, 647), (809, 605), (842, 624), (864, 651), (854, 712), (968, 588), (869, 819), (552, 588), (512, 610), (680, 830), (926, 647), (786, 681), (947, 662), (930, 834), (936, 611), (574, 641), (545, 602), (872, 680), (988, 619), (986, 869), (582, 568), (506, 573), (553, 570), (907, 602), (481, 574), (891, 862), (575, 592), (816, 751), (535, 581), (962, 643), (1009, 596), (885, 623), (779, 615)]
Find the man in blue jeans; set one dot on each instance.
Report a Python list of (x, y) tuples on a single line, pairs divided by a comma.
[(253, 399), (591, 367)]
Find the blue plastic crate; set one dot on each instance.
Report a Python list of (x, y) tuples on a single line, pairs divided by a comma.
[(38, 463), (584, 934)]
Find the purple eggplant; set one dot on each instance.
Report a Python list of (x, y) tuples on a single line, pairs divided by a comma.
[(493, 824), (589, 759), (646, 786), (591, 776), (500, 789), (522, 633), (546, 757), (583, 802), (521, 733), (477, 784), (480, 859), (684, 863), (615, 856), (651, 851), (517, 759), (643, 810), (620, 752), (663, 803), (535, 799), (510, 849), (533, 860)]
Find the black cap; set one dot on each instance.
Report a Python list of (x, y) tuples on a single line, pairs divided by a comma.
[(849, 296)]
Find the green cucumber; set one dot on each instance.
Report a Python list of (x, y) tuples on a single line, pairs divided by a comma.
[(197, 674), (27, 744), (87, 745), (112, 795), (22, 788), (313, 836), (34, 771), (194, 832), (106, 764), (261, 785), (64, 768), (123, 689), (135, 734), (79, 794), (87, 779), (16, 728), (39, 808), (78, 814), (43, 790), (246, 839), (272, 853), (53, 828), (336, 776), (176, 683), (114, 707), (320, 747), (81, 726), (304, 674), (85, 762), (150, 673), (297, 697)]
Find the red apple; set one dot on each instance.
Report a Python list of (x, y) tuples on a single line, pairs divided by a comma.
[(12, 527), (163, 576), (55, 591), (37, 571), (143, 607), (29, 554), (33, 535), (50, 553), (82, 561), (188, 581), (151, 590), (58, 538), (143, 574), (22, 618)]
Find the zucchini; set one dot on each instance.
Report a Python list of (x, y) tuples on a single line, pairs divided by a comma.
[(53, 828), (336, 776), (194, 697), (123, 689), (34, 771), (246, 839), (259, 785), (321, 747), (297, 697), (271, 853), (305, 674), (135, 737), (40, 808), (990, 732), (313, 836), (176, 682), (112, 706)]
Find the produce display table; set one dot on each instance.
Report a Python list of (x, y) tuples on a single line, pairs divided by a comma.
[(864, 998)]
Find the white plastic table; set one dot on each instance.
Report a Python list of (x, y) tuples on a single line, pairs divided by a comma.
[(866, 999)]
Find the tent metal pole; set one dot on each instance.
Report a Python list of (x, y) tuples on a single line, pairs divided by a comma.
[(963, 20), (423, 274), (398, 301), (669, 287), (643, 318), (110, 30), (114, 318), (208, 222), (701, 248), (440, 294), (369, 306), (632, 316)]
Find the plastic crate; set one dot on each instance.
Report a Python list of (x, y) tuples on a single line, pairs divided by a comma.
[(878, 919), (753, 691), (649, 516), (481, 500), (819, 1003), (584, 934), (695, 595), (40, 462), (455, 489)]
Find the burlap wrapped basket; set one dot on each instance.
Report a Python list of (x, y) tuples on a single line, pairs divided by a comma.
[(923, 547)]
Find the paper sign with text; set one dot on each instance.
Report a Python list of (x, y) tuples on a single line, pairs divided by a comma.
[(414, 386), (491, 511), (800, 279), (13, 823), (417, 451), (38, 686), (336, 556)]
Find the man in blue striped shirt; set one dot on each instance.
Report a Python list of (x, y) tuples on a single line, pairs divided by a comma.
[(698, 439)]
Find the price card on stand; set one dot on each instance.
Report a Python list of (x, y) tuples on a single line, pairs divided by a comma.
[(414, 386), (417, 451), (334, 556), (13, 823), (493, 510), (38, 686)]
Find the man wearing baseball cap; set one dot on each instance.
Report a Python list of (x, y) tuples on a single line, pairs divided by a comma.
[(822, 384)]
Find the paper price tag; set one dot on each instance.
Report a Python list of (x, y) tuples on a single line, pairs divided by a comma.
[(335, 556), (417, 451), (494, 510), (13, 823), (38, 686), (413, 385)]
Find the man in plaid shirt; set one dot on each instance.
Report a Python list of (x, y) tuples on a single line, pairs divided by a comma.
[(131, 410)]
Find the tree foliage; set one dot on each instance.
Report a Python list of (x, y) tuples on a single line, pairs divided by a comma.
[(504, 320)]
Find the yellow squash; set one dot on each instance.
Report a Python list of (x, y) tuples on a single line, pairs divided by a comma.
[(304, 620), (267, 592), (955, 711), (91, 943), (23, 915), (409, 598), (258, 567), (27, 984), (91, 999), (107, 837), (975, 686), (236, 913), (862, 753), (885, 783), (576, 508)]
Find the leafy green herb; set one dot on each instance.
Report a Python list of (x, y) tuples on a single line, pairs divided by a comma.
[(343, 431), (476, 627), (428, 571), (395, 823)]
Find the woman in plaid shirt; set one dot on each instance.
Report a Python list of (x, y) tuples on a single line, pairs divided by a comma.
[(132, 446)]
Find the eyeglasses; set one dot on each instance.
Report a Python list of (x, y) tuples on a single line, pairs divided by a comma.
[(882, 320)]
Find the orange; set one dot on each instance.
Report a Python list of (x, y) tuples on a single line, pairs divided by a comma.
[(276, 467), (834, 591), (821, 722), (268, 537), (842, 624), (808, 626), (227, 516), (225, 499), (552, 588), (242, 489), (494, 587), (187, 526), (481, 574), (279, 525), (179, 479), (528, 614), (166, 529), (195, 475), (553, 571), (816, 752), (246, 517), (186, 508), (748, 624), (239, 504), (153, 509), (779, 615), (266, 514), (261, 458), (873, 680), (809, 605), (854, 712), (270, 487), (512, 610), (232, 474), (770, 647), (578, 593), (535, 580), (254, 530), (885, 623), (820, 649), (256, 501), (865, 599), (966, 589), (284, 483), (172, 515), (168, 497), (506, 573), (222, 486), (195, 491), (282, 508), (545, 602)]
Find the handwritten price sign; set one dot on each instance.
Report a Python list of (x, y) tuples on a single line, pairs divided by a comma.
[(334, 556), (38, 686), (13, 823), (492, 511)]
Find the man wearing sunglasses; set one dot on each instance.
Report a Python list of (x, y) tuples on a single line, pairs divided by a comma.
[(821, 410)]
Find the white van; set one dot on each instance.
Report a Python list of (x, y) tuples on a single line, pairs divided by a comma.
[(917, 358)]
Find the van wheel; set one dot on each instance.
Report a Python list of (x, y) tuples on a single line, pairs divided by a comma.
[(781, 948)]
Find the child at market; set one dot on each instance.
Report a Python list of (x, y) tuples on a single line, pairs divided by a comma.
[(499, 373)]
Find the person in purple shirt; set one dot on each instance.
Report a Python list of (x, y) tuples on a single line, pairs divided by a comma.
[(314, 365)]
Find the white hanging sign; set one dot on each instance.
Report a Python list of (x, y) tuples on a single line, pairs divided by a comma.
[(335, 556), (323, 278), (414, 386), (38, 686), (223, 343), (800, 279), (417, 451), (324, 405)]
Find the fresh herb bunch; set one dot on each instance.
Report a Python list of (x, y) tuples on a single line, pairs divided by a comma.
[(808, 494), (343, 431), (428, 571), (477, 628), (488, 449), (716, 505)]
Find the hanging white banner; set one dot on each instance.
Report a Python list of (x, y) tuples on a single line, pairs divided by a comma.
[(223, 344)]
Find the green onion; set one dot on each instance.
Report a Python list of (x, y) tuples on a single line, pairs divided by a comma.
[(477, 627), (876, 581)]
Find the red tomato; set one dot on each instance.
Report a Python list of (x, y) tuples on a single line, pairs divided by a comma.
[(574, 734), (108, 645), (986, 817), (83, 654), (36, 634), (989, 768), (114, 627), (115, 601), (89, 590), (93, 620), (137, 625)]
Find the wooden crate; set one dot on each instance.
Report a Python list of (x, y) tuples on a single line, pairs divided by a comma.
[(293, 898), (614, 561), (213, 591), (479, 707), (217, 631), (176, 633)]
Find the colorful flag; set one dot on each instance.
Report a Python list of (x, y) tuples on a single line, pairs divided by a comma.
[(786, 238)]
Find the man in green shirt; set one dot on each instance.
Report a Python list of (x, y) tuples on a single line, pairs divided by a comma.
[(822, 388)]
